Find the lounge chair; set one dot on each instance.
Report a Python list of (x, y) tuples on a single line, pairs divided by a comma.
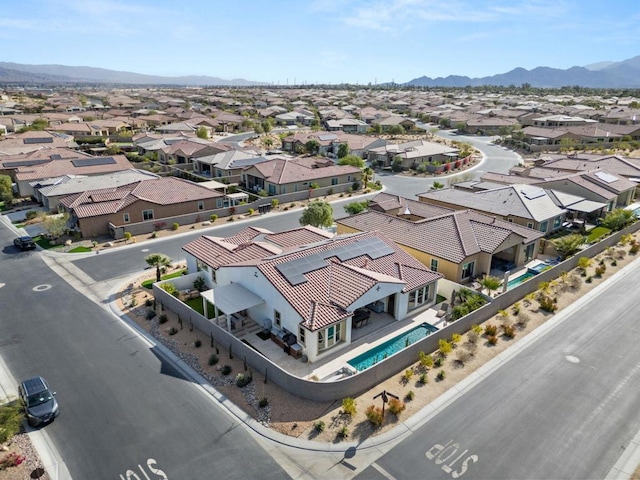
[(444, 309)]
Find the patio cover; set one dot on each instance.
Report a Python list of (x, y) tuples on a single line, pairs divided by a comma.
[(587, 206), (232, 298)]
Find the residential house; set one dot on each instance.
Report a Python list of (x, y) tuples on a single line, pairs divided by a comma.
[(309, 292), (105, 210), (527, 205), (288, 175), (412, 154), (460, 244), (305, 118), (329, 143), (227, 165), (32, 141)]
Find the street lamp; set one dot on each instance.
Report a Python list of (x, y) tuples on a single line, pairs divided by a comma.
[(385, 398)]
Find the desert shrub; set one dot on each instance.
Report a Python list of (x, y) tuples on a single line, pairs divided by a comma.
[(633, 249), (547, 304), (503, 313), (406, 376), (396, 406), (213, 359), (425, 360), (444, 347), (574, 281), (442, 375), (319, 426), (343, 432), (464, 356), (600, 269), (424, 379), (263, 402), (614, 263), (493, 339), (516, 308), (243, 379), (31, 214), (162, 318), (509, 331), (213, 217), (471, 347), (522, 319), (175, 226), (476, 328), (150, 314), (456, 338), (490, 330), (148, 302), (170, 288), (410, 395), (225, 370), (589, 279), (172, 331), (544, 286), (197, 343), (473, 336), (439, 361), (374, 415), (250, 211), (349, 406)]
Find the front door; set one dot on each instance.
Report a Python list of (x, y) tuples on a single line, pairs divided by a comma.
[(391, 305)]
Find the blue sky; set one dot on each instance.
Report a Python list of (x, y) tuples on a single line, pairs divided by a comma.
[(311, 41)]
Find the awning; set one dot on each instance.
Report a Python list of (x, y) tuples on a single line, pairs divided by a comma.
[(587, 206), (232, 298)]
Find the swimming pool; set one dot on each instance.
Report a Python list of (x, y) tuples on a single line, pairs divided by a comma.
[(520, 280), (391, 346)]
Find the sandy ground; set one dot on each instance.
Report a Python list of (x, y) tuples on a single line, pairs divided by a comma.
[(297, 417)]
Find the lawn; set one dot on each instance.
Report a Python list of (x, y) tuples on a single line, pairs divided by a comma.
[(45, 243), (81, 249), (196, 304), (148, 283), (597, 233)]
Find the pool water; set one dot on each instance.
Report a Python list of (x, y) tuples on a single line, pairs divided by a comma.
[(391, 346), (519, 280)]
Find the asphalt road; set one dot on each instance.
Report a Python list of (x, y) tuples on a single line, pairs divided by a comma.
[(565, 407), (123, 407)]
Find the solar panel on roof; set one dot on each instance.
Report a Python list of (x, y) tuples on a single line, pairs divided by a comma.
[(24, 163), (328, 136), (91, 162), (31, 141), (531, 193), (55, 157), (606, 177)]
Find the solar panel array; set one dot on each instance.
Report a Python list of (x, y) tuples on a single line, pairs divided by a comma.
[(31, 141), (295, 270), (606, 177), (92, 162), (531, 193), (23, 163)]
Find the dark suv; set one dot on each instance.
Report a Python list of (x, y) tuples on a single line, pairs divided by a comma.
[(38, 400), (25, 243)]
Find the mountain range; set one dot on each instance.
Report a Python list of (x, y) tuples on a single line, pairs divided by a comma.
[(606, 74), (624, 74)]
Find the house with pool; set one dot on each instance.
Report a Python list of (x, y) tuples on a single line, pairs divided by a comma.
[(308, 288)]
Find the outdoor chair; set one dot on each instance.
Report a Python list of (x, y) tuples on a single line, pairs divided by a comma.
[(444, 309)]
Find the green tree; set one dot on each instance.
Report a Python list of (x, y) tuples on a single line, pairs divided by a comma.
[(367, 175), (55, 225), (317, 214), (353, 160), (568, 245), (159, 261), (6, 190), (354, 208), (343, 150), (266, 126), (267, 142), (113, 149), (618, 218), (490, 283), (202, 132), (312, 146)]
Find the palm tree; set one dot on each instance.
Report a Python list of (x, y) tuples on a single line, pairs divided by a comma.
[(158, 260), (437, 185), (490, 283), (367, 174)]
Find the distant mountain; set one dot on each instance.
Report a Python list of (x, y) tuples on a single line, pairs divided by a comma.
[(625, 74), (66, 74)]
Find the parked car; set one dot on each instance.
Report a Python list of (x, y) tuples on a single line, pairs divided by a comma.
[(25, 243), (40, 405)]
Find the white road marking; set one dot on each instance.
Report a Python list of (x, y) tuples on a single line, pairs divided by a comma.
[(41, 288), (383, 472)]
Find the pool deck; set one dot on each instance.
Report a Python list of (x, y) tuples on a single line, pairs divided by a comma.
[(381, 327)]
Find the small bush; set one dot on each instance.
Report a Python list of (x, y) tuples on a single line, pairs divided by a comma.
[(225, 370), (175, 226), (31, 214), (162, 318), (442, 375), (456, 338), (522, 319), (516, 308), (150, 314), (349, 406), (406, 376), (509, 331), (213, 359), (154, 235), (473, 336), (503, 313), (476, 328), (319, 426), (250, 211), (263, 402), (148, 302), (464, 356), (634, 248), (197, 343), (396, 406), (589, 279), (242, 380), (445, 347), (425, 360), (439, 362), (343, 432), (600, 269), (547, 304), (614, 263), (230, 219), (424, 379), (493, 339), (490, 330), (374, 415), (410, 395), (172, 331), (213, 217)]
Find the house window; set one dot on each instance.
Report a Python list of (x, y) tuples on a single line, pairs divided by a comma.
[(529, 225), (301, 335), (200, 205), (467, 270), (334, 181), (544, 225), (201, 266), (330, 336), (528, 252), (219, 202), (147, 215), (418, 297), (557, 222), (277, 319), (510, 220), (213, 275), (125, 217), (434, 265)]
